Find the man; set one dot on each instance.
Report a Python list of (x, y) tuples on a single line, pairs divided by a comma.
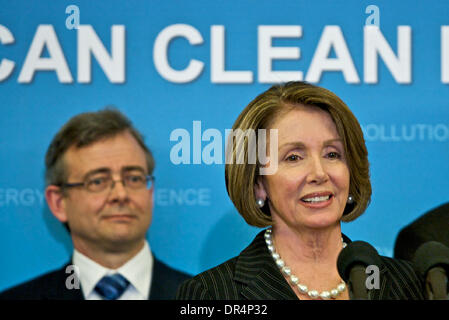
[(431, 226), (100, 185)]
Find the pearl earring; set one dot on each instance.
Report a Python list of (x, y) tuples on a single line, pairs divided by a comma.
[(350, 199), (260, 202)]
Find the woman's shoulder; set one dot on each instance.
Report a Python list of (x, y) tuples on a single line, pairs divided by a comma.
[(398, 280), (226, 281), (216, 283), (397, 265)]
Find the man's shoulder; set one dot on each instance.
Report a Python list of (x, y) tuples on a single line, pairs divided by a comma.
[(164, 270), (165, 281), (45, 286)]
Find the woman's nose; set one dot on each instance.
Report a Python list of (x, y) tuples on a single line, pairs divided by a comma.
[(317, 171)]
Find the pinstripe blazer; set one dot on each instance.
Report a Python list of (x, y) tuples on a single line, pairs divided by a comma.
[(253, 275)]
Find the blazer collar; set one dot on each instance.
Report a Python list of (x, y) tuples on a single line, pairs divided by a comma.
[(261, 277)]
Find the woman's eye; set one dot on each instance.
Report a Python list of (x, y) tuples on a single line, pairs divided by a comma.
[(333, 155), (293, 157)]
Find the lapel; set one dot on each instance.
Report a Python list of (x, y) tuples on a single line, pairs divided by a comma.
[(57, 289), (157, 280), (165, 281), (259, 275)]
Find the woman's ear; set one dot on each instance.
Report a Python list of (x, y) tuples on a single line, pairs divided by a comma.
[(56, 202), (259, 189)]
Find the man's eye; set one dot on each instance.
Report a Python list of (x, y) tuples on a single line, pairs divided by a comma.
[(97, 181), (135, 178)]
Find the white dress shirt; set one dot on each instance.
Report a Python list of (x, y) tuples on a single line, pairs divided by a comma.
[(137, 271)]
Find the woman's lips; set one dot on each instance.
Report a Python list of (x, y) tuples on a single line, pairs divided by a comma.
[(317, 200)]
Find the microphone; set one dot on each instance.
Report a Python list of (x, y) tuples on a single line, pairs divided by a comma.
[(431, 261), (352, 263)]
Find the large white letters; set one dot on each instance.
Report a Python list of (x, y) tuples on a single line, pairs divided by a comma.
[(160, 53), (332, 37), (445, 54), (46, 54), (218, 49), (375, 44), (89, 44), (45, 37), (267, 53), (6, 66)]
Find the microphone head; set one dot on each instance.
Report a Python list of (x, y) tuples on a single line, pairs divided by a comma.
[(356, 253), (431, 254)]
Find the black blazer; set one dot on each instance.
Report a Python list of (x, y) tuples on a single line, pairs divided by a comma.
[(51, 286), (432, 226), (253, 275)]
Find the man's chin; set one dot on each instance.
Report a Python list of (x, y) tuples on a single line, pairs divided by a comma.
[(121, 243), (123, 237)]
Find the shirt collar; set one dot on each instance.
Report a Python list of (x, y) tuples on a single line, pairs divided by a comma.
[(137, 271)]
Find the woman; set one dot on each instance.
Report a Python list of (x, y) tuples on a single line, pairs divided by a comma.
[(321, 179)]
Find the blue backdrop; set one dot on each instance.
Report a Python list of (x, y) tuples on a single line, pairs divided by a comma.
[(169, 63)]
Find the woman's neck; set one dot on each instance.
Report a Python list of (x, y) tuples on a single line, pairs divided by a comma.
[(311, 255), (308, 246)]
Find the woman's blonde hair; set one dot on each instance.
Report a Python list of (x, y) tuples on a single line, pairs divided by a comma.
[(261, 113)]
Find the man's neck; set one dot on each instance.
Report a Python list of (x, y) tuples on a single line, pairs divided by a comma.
[(109, 258)]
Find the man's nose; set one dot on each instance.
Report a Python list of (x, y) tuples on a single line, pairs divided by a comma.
[(118, 191)]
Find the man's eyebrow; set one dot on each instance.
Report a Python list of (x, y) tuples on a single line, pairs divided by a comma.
[(109, 171), (132, 168), (96, 171)]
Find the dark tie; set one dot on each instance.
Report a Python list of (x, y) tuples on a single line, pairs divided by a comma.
[(112, 287)]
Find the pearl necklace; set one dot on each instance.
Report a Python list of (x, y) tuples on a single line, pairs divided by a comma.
[(314, 294)]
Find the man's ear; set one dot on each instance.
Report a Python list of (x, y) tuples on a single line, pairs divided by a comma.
[(151, 192), (259, 189), (56, 202)]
